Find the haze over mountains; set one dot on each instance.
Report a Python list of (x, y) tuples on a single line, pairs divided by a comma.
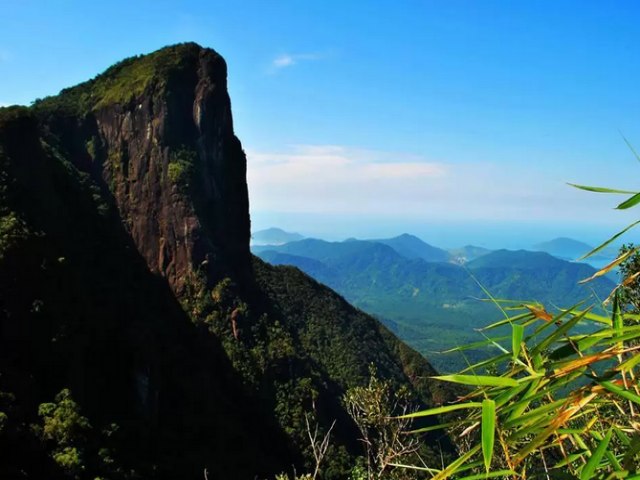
[(430, 296)]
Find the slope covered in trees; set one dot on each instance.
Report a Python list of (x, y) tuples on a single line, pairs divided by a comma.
[(436, 305)]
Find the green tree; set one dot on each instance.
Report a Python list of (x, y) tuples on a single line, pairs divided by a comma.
[(66, 429)]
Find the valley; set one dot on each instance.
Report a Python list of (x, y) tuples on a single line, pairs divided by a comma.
[(433, 298)]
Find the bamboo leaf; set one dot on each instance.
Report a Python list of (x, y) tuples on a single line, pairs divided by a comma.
[(616, 318), (441, 410), (454, 466), (621, 392), (488, 431), (612, 239), (415, 467), (611, 266), (473, 345), (629, 364), (600, 189), (561, 330), (431, 428), (592, 464), (630, 202), (633, 150), (508, 320), (533, 414), (487, 362), (517, 332), (479, 380), (496, 474)]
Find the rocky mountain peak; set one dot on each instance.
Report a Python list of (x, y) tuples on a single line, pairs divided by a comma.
[(157, 132)]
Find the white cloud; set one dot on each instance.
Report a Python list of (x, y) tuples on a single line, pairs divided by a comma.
[(283, 61), (288, 60), (332, 179)]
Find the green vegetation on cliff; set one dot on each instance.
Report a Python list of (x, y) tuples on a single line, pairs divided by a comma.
[(120, 83)]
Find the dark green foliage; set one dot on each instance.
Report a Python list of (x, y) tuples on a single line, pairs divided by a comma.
[(120, 83), (182, 164), (630, 292), (66, 429)]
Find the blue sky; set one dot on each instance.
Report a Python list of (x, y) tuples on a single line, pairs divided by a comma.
[(460, 121)]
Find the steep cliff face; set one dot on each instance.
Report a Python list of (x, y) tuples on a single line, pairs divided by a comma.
[(126, 277), (158, 132), (81, 310)]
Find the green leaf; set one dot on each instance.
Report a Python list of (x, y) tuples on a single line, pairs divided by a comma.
[(620, 233), (496, 474), (474, 345), (456, 465), (600, 189), (488, 431), (589, 469), (485, 363), (629, 202), (517, 332), (509, 320), (621, 392), (633, 150), (415, 467), (431, 428), (440, 410), (558, 333), (616, 318), (534, 414), (479, 380)]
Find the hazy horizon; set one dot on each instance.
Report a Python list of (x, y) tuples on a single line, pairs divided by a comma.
[(512, 236)]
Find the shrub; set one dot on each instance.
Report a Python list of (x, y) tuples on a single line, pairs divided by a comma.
[(181, 167)]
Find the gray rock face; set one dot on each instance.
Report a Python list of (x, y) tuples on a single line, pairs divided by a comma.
[(175, 168)]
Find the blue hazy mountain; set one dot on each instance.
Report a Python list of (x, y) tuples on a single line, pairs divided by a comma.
[(563, 247), (274, 236), (410, 246)]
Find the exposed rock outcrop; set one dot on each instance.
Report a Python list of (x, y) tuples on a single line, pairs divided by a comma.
[(166, 150)]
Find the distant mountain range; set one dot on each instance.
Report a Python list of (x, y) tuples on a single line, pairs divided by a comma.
[(562, 247), (425, 295), (410, 246), (573, 250), (274, 236)]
